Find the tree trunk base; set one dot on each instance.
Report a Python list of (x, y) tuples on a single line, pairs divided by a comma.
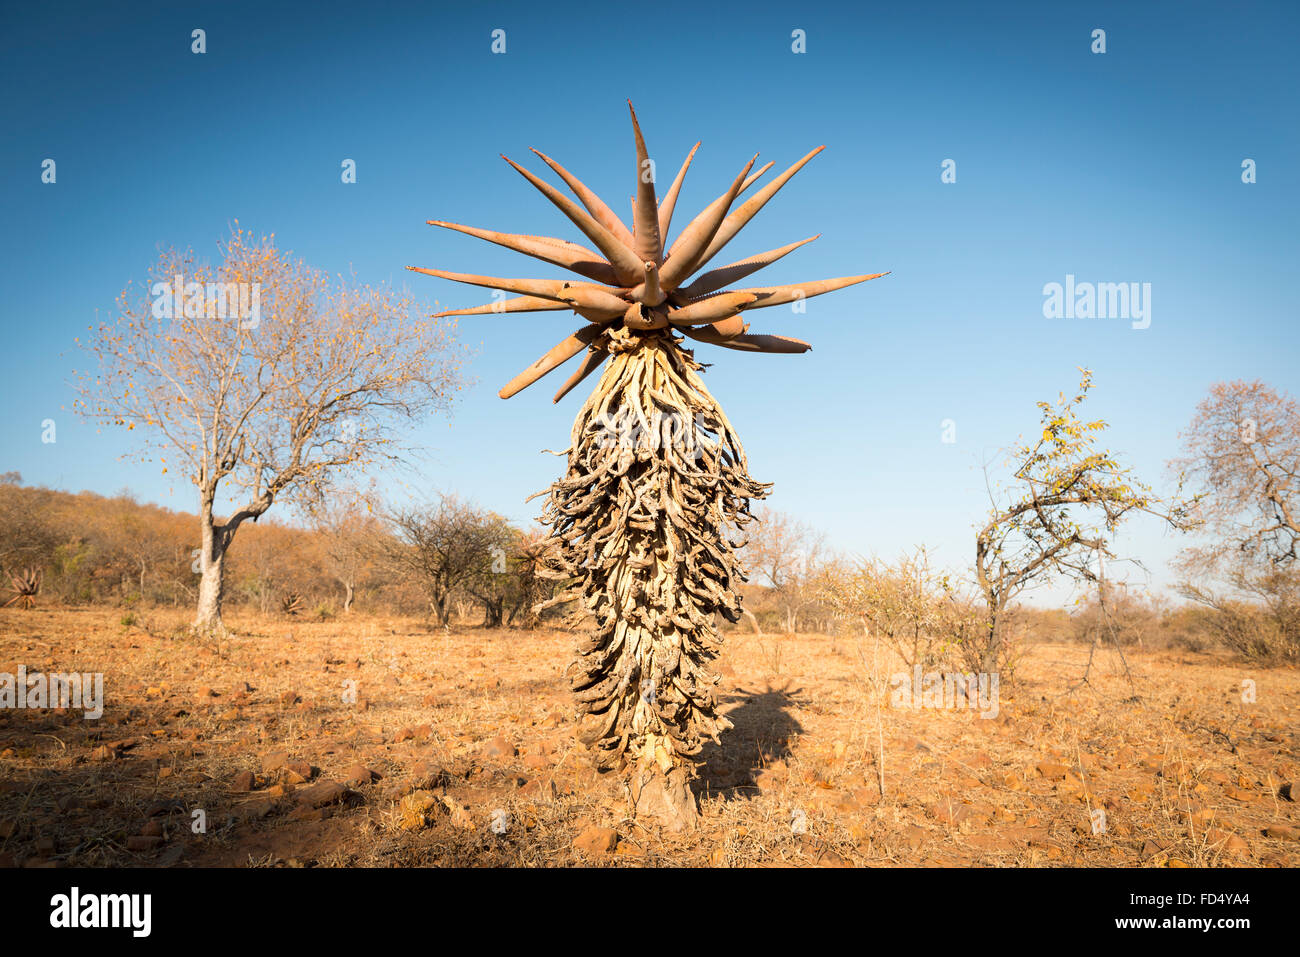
[(210, 630), (666, 799)]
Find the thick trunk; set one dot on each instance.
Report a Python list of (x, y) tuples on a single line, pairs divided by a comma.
[(493, 612), (441, 609), (641, 520), (212, 558), (665, 798), (348, 594)]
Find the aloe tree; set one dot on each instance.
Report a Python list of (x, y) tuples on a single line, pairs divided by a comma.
[(647, 520)]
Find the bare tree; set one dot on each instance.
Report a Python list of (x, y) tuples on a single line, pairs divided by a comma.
[(350, 532), (29, 529), (492, 578), (263, 379), (138, 541), (783, 553), (442, 545), (1243, 451), (535, 587), (1243, 448), (1065, 501)]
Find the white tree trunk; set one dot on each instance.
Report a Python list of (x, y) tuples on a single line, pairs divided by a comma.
[(212, 557)]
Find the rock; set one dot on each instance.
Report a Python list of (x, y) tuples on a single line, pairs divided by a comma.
[(460, 814), (152, 829), (595, 841), (1152, 848), (1227, 842), (988, 841), (289, 698), (1053, 771), (322, 794), (244, 782), (1287, 791), (103, 753), (143, 842), (274, 761), (498, 747), (1239, 794), (359, 776), (1175, 771), (946, 811), (1200, 817), (914, 836), (1282, 832), (425, 775), (304, 813), (1071, 787), (829, 858)]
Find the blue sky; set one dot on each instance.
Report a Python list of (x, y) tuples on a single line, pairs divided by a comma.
[(1115, 167)]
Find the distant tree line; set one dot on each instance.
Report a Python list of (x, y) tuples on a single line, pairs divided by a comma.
[(446, 558), (1052, 519)]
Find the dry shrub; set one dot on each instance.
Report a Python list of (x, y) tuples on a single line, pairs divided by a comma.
[(917, 609), (1125, 619), (1256, 614)]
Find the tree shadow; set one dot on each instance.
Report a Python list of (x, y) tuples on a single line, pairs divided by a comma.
[(762, 735)]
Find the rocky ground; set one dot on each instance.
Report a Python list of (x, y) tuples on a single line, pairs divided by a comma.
[(376, 742)]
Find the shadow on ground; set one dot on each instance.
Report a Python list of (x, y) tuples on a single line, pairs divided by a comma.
[(763, 733)]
